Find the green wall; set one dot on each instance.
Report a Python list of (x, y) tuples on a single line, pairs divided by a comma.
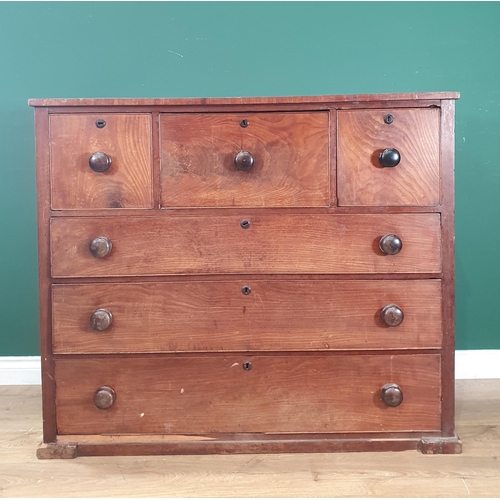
[(187, 49)]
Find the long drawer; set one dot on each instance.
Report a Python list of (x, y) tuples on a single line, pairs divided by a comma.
[(198, 316), (261, 244), (241, 393)]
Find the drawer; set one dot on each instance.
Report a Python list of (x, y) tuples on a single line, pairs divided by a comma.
[(202, 153), (270, 244), (246, 393), (249, 315), (412, 138), (100, 161)]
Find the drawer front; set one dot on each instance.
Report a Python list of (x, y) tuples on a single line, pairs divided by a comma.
[(271, 244), (214, 394), (280, 315), (363, 135), (120, 176), (290, 153)]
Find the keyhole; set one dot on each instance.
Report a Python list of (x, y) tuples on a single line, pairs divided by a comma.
[(247, 366), (245, 224), (388, 119), (100, 123), (246, 290), (244, 123)]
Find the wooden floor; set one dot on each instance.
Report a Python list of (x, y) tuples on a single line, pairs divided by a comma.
[(475, 473)]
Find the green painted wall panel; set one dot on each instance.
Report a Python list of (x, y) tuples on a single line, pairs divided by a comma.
[(212, 49)]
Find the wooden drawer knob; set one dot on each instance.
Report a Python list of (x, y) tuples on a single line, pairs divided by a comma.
[(100, 247), (100, 162), (243, 161), (104, 397), (390, 244), (392, 315), (101, 319), (389, 157), (391, 394)]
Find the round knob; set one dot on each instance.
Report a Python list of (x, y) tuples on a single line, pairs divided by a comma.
[(101, 319), (392, 315), (389, 157), (391, 395), (390, 244), (100, 162), (104, 397), (100, 247), (243, 160)]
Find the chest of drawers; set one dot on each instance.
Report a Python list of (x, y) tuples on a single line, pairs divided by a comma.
[(246, 275)]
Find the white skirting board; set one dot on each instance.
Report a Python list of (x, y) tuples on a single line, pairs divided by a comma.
[(477, 364), (474, 364), (20, 370)]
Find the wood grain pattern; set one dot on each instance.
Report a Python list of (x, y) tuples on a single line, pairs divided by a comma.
[(44, 272), (51, 451), (246, 438), (448, 250), (245, 107), (333, 158), (126, 138), (249, 211), (206, 394), (415, 96), (92, 445), (273, 244), (282, 315), (155, 130), (362, 135), (290, 152)]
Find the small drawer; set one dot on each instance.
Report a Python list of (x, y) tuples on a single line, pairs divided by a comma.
[(388, 157), (246, 315), (260, 244), (245, 160), (100, 161), (248, 393)]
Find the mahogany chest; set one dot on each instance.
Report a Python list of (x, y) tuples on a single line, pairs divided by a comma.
[(246, 275)]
